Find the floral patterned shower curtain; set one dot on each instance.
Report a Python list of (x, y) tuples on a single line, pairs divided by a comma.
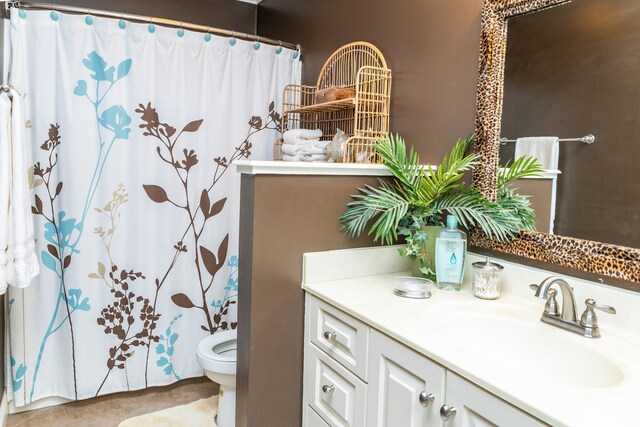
[(132, 129)]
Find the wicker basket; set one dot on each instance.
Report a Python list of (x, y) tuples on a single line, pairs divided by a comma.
[(359, 69)]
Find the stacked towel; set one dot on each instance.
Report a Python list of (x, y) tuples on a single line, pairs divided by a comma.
[(544, 148), (304, 150), (18, 261), (299, 136), (301, 158), (303, 145)]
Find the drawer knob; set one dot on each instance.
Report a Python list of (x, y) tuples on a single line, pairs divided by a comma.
[(328, 389), (447, 412), (426, 399), (329, 335)]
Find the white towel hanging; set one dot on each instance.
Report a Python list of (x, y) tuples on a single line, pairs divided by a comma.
[(18, 261), (544, 148)]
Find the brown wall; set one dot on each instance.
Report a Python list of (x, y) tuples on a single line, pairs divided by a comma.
[(226, 14), (281, 218), (571, 71), (430, 45)]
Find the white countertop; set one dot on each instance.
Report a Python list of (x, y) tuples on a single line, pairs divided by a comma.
[(273, 167), (426, 327)]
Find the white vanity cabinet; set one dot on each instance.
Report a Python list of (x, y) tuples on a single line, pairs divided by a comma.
[(356, 376), (405, 388)]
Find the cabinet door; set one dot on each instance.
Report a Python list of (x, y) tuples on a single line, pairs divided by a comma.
[(405, 388), (475, 407)]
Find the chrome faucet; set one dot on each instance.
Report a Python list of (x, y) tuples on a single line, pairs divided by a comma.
[(567, 318)]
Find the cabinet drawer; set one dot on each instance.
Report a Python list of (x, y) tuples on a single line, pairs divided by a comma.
[(312, 419), (340, 336), (332, 391)]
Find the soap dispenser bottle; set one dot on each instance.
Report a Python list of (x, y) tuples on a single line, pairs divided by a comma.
[(451, 249)]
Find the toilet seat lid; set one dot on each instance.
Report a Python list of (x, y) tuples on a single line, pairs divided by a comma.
[(221, 346)]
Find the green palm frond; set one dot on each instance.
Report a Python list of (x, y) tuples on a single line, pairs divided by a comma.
[(445, 178), (385, 204), (524, 167), (405, 166), (518, 207), (425, 194), (472, 209)]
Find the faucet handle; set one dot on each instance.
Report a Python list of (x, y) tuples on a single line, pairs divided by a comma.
[(551, 306), (590, 303), (589, 320)]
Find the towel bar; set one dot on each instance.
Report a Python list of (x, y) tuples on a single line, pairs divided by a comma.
[(587, 139)]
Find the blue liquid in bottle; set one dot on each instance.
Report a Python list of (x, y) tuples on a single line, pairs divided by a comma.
[(451, 249)]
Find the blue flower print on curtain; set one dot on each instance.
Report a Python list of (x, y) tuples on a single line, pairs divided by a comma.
[(116, 120), (166, 349), (63, 232)]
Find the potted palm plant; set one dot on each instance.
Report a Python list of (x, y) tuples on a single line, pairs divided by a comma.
[(412, 205)]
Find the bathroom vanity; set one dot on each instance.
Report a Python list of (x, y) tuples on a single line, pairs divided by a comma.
[(375, 359), (289, 209)]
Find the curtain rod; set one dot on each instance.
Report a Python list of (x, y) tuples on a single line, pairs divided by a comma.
[(150, 19)]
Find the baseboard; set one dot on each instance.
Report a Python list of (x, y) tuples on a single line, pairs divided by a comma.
[(4, 409)]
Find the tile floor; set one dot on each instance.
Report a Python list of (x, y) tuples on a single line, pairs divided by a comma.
[(111, 410)]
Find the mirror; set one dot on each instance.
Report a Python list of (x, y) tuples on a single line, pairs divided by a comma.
[(571, 70)]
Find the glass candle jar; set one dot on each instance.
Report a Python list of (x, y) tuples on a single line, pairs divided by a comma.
[(486, 279)]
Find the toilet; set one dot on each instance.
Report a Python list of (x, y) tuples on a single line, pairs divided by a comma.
[(217, 356)]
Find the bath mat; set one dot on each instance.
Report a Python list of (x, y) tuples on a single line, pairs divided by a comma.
[(200, 413)]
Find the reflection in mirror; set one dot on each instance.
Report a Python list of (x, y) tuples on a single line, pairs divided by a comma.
[(571, 71)]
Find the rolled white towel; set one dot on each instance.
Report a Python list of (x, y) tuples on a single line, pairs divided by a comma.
[(304, 158), (316, 143), (289, 158), (317, 158), (303, 149), (296, 136)]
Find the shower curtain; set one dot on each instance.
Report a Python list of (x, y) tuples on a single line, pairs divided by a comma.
[(131, 130)]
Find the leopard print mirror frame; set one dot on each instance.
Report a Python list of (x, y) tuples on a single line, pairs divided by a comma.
[(594, 257)]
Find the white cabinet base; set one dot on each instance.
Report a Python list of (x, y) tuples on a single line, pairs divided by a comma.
[(404, 389)]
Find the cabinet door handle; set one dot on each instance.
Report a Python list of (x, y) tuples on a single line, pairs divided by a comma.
[(426, 399), (447, 412), (329, 335), (328, 388)]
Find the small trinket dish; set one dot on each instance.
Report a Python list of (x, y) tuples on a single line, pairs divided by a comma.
[(412, 287)]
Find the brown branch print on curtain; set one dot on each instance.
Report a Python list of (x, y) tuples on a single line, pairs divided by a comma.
[(181, 161), (119, 317), (58, 232)]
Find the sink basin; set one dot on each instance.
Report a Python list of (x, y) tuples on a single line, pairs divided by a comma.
[(518, 341)]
